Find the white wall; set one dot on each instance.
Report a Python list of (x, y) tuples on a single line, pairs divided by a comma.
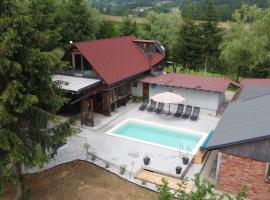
[(209, 102), (137, 91)]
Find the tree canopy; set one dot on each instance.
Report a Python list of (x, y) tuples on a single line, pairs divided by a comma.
[(164, 28), (245, 46), (29, 99)]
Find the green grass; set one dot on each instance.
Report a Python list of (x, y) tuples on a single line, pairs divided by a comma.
[(180, 69)]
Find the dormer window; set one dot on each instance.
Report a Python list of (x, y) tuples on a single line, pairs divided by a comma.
[(149, 49)]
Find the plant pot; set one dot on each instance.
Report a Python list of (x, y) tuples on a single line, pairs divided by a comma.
[(146, 160), (178, 170), (185, 160)]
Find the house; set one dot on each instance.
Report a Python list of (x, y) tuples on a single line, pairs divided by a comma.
[(101, 71), (242, 138), (205, 92)]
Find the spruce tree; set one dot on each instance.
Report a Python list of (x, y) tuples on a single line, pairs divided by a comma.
[(107, 30), (129, 27), (211, 37), (29, 99), (189, 45)]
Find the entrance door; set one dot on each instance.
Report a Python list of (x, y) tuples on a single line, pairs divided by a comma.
[(146, 90)]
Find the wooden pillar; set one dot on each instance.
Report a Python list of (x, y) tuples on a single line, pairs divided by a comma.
[(91, 112), (87, 112), (106, 103), (84, 109)]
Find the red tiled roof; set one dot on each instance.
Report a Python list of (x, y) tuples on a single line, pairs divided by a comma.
[(255, 82), (207, 83), (116, 59)]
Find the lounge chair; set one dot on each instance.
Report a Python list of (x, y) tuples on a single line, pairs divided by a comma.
[(195, 114), (179, 111), (152, 106), (144, 105), (159, 109), (187, 112)]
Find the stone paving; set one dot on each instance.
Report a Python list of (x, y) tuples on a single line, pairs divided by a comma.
[(123, 152)]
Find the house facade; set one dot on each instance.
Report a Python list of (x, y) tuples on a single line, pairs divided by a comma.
[(103, 71), (242, 138), (205, 92)]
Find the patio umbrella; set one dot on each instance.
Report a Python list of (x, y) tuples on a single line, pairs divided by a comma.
[(168, 97)]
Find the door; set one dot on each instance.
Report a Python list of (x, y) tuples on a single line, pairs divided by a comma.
[(146, 90)]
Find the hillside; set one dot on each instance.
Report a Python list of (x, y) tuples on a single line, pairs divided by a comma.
[(139, 8)]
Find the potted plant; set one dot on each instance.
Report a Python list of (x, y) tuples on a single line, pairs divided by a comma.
[(146, 160), (185, 159), (178, 169)]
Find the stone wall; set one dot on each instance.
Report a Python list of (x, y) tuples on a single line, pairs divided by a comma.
[(235, 171)]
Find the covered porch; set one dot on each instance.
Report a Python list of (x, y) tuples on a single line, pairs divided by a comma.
[(90, 97)]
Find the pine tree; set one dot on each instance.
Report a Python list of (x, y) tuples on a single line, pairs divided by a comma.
[(189, 45), (211, 37), (107, 30), (29, 99), (129, 27)]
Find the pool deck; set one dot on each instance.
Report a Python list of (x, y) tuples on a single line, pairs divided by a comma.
[(124, 152)]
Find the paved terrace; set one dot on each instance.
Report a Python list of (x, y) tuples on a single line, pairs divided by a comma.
[(130, 153), (124, 152)]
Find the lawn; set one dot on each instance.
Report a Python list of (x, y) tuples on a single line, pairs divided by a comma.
[(80, 180)]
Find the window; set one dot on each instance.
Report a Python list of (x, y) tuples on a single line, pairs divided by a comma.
[(153, 86), (134, 84), (122, 90), (149, 49), (118, 92), (78, 63), (267, 172)]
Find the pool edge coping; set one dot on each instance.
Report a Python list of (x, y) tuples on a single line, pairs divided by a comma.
[(192, 153)]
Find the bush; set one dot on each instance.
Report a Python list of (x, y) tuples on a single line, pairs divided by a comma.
[(93, 157), (122, 169), (204, 190), (107, 165)]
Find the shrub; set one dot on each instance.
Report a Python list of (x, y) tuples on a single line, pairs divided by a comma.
[(122, 169), (93, 157)]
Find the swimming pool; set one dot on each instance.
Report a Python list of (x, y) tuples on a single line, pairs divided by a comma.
[(160, 135)]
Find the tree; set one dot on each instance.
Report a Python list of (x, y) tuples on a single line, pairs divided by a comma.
[(188, 49), (164, 28), (80, 21), (204, 190), (211, 36), (47, 19), (128, 27), (29, 99), (245, 48), (107, 30)]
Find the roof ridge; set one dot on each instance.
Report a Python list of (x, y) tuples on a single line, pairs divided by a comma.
[(104, 39)]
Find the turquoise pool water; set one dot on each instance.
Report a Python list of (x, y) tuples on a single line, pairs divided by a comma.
[(161, 135)]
